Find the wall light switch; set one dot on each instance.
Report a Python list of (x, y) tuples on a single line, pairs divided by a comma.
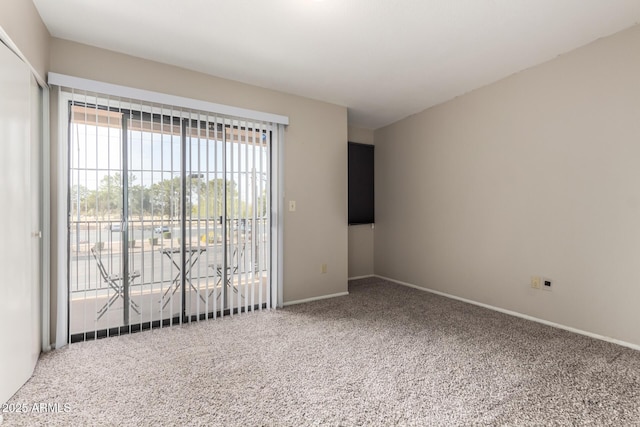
[(535, 282), (292, 205)]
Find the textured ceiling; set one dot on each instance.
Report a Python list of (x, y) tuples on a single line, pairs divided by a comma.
[(383, 59)]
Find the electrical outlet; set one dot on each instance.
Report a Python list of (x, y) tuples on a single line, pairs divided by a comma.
[(323, 269), (535, 282), (546, 284)]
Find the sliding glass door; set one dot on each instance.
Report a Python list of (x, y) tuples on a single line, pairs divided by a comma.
[(227, 225), (169, 216)]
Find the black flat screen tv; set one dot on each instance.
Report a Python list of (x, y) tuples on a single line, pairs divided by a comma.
[(361, 188)]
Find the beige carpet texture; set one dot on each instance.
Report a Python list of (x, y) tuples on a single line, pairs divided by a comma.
[(384, 355)]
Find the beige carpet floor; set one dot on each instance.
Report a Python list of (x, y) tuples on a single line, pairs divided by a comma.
[(384, 355)]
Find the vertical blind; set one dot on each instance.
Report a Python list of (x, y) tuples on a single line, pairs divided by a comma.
[(169, 214)]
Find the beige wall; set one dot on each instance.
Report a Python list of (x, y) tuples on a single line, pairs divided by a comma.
[(537, 174), (360, 135), (21, 21), (360, 236), (315, 164)]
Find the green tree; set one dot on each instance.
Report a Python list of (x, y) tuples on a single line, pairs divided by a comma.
[(108, 198), (79, 195), (209, 198), (164, 198), (139, 201)]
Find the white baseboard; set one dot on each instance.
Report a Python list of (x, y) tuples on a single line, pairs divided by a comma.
[(366, 276), (516, 314), (302, 301)]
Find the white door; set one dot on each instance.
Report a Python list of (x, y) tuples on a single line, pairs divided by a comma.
[(16, 315)]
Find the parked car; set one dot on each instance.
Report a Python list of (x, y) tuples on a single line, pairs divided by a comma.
[(115, 227), (161, 229)]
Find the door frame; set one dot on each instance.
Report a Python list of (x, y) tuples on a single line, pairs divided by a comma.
[(107, 90)]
